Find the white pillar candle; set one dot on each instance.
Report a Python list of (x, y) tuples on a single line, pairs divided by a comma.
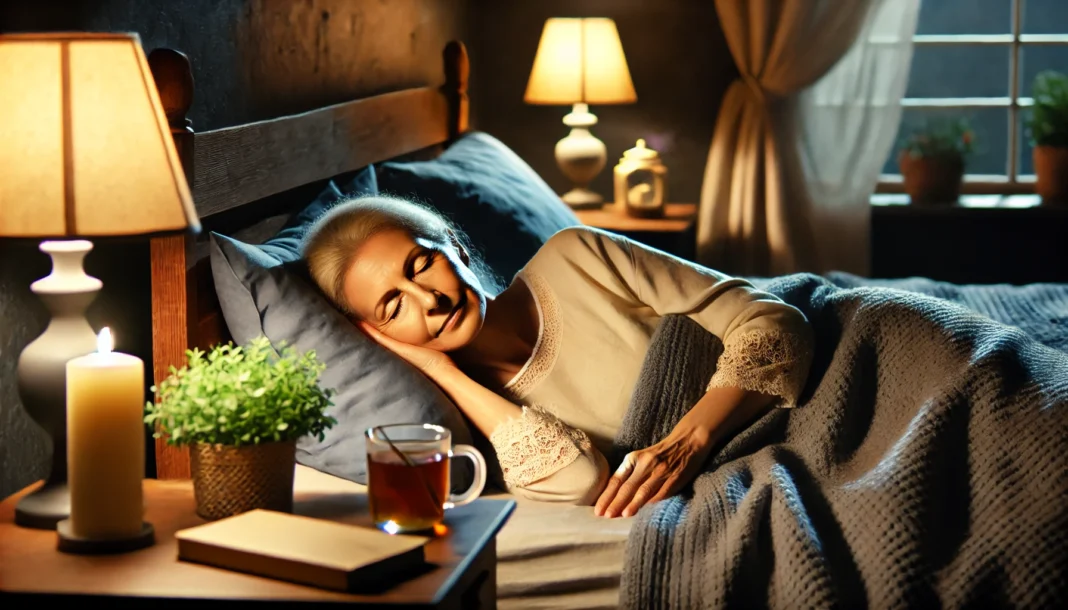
[(105, 442)]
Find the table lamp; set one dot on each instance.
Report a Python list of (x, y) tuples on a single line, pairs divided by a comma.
[(85, 152), (580, 62)]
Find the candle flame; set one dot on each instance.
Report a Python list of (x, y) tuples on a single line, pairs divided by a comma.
[(104, 343)]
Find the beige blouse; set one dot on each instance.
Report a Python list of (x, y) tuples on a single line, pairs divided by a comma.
[(599, 299)]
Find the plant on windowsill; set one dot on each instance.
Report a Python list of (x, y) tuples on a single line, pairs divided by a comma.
[(932, 161), (241, 409), (1048, 126)]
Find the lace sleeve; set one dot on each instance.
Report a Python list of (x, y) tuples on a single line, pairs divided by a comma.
[(768, 361), (536, 445)]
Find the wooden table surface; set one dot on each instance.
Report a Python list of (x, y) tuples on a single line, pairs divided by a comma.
[(30, 563), (677, 217)]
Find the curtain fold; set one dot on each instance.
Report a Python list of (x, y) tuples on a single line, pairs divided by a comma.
[(758, 214), (849, 122)]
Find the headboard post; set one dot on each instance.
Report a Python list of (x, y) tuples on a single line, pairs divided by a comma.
[(173, 292), (457, 71)]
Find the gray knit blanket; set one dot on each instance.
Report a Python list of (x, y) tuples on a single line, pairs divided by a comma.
[(927, 466)]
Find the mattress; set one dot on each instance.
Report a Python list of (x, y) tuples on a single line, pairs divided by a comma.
[(549, 556), (557, 556)]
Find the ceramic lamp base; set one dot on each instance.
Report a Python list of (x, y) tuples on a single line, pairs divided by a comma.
[(44, 507), (42, 371), (69, 543), (581, 157), (582, 199)]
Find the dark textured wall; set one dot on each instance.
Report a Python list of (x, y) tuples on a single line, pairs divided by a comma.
[(251, 60), (678, 60)]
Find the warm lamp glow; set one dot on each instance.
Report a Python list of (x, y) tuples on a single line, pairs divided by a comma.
[(86, 150), (580, 61), (104, 342)]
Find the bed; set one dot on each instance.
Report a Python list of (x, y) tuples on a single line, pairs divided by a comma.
[(244, 179)]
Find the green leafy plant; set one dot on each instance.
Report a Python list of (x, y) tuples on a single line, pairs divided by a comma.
[(1047, 122), (945, 140), (239, 396)]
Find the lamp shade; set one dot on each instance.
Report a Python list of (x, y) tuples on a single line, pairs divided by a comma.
[(580, 61), (85, 148)]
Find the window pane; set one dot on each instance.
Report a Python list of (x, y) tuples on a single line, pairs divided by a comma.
[(966, 17), (991, 126), (1036, 58), (959, 71), (1044, 17), (1024, 164)]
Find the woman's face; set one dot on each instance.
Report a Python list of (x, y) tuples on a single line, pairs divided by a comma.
[(416, 291)]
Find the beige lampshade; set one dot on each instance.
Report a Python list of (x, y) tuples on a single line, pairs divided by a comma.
[(85, 149), (580, 61)]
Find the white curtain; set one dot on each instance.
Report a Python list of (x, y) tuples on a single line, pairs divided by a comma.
[(802, 133)]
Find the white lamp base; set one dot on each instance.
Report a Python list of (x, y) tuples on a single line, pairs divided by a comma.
[(581, 157), (42, 372)]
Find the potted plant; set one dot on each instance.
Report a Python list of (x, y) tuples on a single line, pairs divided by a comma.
[(1048, 125), (932, 161), (240, 410)]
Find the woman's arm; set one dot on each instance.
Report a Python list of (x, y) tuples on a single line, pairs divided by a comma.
[(767, 344), (767, 348), (541, 457), (660, 471)]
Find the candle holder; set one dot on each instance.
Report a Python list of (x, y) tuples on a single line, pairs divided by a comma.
[(70, 543)]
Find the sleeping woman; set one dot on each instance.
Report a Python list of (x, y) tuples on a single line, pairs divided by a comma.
[(545, 369)]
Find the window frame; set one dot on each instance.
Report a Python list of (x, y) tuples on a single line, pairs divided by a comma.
[(1012, 182)]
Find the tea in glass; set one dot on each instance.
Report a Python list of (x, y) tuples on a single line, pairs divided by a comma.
[(408, 476)]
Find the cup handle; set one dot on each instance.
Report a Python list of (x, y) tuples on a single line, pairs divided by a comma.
[(473, 492)]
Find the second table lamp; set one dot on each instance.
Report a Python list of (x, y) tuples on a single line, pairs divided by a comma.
[(580, 62)]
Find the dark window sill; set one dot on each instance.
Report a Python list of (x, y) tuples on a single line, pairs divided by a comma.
[(969, 206)]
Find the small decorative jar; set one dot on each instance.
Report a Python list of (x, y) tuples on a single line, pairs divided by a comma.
[(641, 183)]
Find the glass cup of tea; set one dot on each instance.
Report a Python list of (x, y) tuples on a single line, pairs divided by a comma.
[(408, 476)]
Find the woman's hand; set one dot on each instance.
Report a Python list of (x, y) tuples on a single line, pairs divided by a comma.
[(429, 362), (655, 473), (659, 472)]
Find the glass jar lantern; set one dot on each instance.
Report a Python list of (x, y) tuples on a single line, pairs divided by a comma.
[(640, 183)]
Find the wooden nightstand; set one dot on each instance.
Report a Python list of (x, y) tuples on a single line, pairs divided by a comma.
[(32, 571), (674, 233)]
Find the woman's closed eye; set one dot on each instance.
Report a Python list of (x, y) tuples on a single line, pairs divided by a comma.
[(422, 264), (426, 263), (397, 309)]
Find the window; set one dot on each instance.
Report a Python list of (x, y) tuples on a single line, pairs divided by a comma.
[(978, 59)]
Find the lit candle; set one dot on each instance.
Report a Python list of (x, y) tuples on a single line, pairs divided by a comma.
[(105, 442)]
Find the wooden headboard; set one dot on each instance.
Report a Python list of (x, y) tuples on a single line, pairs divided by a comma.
[(232, 171)]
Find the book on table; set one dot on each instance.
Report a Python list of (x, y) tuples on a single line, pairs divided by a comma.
[(300, 549)]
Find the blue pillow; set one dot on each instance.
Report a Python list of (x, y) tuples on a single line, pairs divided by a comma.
[(262, 291), (490, 193)]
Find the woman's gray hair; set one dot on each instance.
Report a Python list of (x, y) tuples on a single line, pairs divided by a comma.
[(332, 242)]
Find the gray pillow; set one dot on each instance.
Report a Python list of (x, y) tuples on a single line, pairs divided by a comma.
[(259, 294)]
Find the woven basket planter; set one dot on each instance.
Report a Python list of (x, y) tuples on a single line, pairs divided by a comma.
[(230, 480)]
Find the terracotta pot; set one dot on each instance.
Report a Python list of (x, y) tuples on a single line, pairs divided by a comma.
[(230, 480), (1051, 169), (932, 181)]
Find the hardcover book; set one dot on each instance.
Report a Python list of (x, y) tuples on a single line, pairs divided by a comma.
[(302, 549)]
